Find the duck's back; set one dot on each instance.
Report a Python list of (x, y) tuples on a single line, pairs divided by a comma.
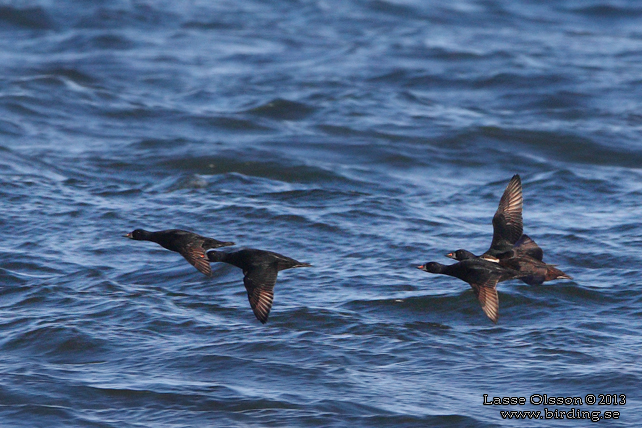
[(172, 239), (533, 271), (249, 258), (479, 271)]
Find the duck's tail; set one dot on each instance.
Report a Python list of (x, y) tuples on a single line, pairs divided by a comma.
[(300, 264), (554, 273)]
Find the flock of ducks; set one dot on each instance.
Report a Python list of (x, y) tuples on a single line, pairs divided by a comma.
[(259, 267), (512, 255)]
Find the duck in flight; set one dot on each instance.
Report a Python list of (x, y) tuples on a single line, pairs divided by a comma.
[(512, 255), (524, 246), (188, 244), (481, 275), (534, 271), (260, 269), (510, 247)]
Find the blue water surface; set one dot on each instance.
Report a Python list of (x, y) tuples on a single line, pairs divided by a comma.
[(365, 137)]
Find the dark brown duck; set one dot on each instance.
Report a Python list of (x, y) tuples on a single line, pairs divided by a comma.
[(481, 275), (190, 245), (525, 258), (533, 271), (525, 246), (260, 269)]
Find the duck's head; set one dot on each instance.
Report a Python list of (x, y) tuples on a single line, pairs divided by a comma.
[(461, 255), (136, 235), (432, 267)]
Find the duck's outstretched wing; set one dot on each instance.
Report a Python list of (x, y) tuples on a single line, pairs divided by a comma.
[(195, 254), (507, 221), (486, 292), (259, 283)]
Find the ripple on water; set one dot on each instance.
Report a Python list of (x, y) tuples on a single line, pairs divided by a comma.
[(277, 169), (60, 344), (283, 109), (33, 18)]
